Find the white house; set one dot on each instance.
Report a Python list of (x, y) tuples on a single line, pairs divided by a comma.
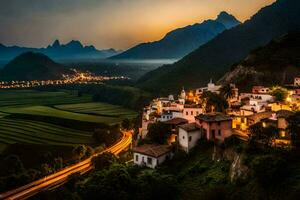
[(151, 155), (210, 87), (188, 136)]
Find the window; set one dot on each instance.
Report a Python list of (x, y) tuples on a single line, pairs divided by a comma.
[(186, 113), (183, 137), (197, 113), (192, 113), (219, 123), (136, 157), (190, 138), (219, 132), (149, 161)]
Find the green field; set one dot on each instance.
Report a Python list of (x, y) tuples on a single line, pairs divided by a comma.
[(32, 97), (26, 131), (100, 109), (58, 105)]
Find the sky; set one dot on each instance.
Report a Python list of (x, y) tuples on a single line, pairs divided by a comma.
[(116, 24)]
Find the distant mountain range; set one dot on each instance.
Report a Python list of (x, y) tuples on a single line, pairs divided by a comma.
[(71, 51), (214, 59), (182, 41), (274, 64), (32, 66)]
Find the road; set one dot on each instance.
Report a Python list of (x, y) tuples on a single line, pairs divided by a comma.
[(61, 176)]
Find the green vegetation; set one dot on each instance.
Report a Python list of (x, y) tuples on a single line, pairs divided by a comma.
[(34, 97), (99, 109), (25, 131), (61, 117)]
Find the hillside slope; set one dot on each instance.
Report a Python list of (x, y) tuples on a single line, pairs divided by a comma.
[(275, 64), (32, 66), (182, 41), (213, 59)]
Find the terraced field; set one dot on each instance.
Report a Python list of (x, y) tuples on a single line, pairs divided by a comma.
[(25, 131), (58, 105), (52, 112), (32, 97), (99, 109)]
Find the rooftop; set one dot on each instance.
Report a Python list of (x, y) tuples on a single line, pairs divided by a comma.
[(176, 121), (284, 113), (153, 150), (213, 117), (260, 115), (189, 127)]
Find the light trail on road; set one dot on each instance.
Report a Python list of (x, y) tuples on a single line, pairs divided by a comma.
[(61, 176)]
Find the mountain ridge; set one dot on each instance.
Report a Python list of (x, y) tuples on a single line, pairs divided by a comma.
[(213, 59), (181, 41), (57, 51)]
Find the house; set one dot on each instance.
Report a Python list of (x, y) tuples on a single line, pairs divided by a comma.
[(260, 90), (211, 87), (151, 155), (282, 123), (191, 111), (175, 123), (165, 116), (256, 117), (215, 126), (188, 136), (297, 81)]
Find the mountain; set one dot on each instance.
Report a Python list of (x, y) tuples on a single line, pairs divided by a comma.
[(277, 63), (182, 41), (57, 51), (214, 59), (32, 66)]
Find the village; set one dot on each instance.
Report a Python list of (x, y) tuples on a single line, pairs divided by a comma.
[(214, 113)]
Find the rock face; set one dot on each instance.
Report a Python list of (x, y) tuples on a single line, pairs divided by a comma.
[(214, 59), (182, 41), (277, 63)]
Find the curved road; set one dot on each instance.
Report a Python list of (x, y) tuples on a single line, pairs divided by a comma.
[(61, 177)]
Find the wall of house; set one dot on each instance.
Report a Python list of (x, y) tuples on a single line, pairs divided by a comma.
[(183, 139), (222, 130), (190, 113), (282, 123), (142, 160)]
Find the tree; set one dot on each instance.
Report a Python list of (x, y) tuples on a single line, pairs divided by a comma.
[(227, 92), (269, 169), (263, 135), (79, 151), (159, 132), (104, 161), (127, 124), (294, 128), (213, 102), (280, 94)]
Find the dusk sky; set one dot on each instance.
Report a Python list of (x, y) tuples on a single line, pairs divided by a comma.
[(108, 23)]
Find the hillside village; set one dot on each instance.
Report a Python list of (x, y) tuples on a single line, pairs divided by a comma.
[(200, 114)]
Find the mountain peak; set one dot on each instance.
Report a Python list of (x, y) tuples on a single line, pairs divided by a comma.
[(227, 20), (74, 44), (56, 43)]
